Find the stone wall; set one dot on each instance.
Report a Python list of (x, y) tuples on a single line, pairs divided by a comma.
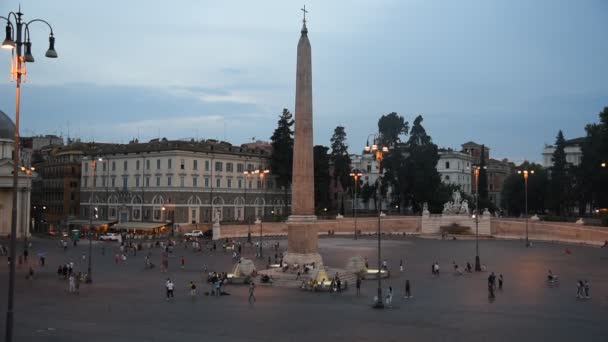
[(344, 226), (549, 231), (431, 224)]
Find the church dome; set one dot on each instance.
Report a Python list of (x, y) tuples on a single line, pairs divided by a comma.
[(7, 127)]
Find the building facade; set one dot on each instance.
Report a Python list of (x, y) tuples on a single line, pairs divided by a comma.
[(455, 168), (24, 184), (574, 152), (178, 182), (56, 189)]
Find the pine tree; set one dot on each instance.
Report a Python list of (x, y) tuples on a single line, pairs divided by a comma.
[(282, 152), (340, 160), (322, 179), (559, 184)]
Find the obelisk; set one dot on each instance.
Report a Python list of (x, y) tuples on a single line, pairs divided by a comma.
[(301, 225)]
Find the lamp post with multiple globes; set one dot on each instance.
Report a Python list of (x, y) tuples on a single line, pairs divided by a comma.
[(18, 37), (526, 174), (378, 150), (356, 174)]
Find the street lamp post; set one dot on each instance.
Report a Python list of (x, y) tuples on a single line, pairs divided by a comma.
[(92, 213), (355, 174), (247, 174), (262, 173), (18, 36), (28, 172), (379, 152), (476, 171), (526, 174)]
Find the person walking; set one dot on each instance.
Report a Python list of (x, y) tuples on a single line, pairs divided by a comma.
[(401, 265), (490, 287), (251, 292), (500, 281), (77, 283), (586, 287), (408, 289), (192, 289), (183, 262), (389, 296), (71, 284), (358, 285), (170, 287)]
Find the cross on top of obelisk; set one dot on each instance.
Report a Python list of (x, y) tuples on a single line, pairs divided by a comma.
[(304, 11)]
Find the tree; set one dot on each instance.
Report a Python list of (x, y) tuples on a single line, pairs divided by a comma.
[(591, 179), (322, 178), (368, 191), (482, 181), (513, 191), (419, 171), (282, 152), (559, 185), (391, 127), (340, 161)]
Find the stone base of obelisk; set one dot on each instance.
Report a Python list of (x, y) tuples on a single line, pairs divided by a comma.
[(302, 241)]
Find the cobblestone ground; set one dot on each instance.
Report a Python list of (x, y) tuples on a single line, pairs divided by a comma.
[(126, 302)]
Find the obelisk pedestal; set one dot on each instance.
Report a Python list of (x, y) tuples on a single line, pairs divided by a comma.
[(302, 231)]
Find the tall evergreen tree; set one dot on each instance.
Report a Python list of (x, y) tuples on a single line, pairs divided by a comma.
[(391, 128), (339, 158), (322, 178), (591, 178), (420, 172), (482, 182), (282, 152), (559, 184)]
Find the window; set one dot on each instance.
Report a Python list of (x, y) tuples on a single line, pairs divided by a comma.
[(103, 166), (249, 184), (259, 185), (157, 181), (95, 181), (103, 181), (206, 165), (217, 183), (86, 167), (229, 167), (125, 182), (169, 163), (113, 182), (240, 182), (181, 181), (147, 182), (249, 167), (194, 181), (113, 166), (447, 165), (137, 165), (158, 164), (182, 164), (148, 164), (195, 164), (239, 168), (137, 182), (86, 182), (229, 183), (206, 182), (369, 168), (218, 166), (157, 214), (125, 165), (169, 180), (136, 214)]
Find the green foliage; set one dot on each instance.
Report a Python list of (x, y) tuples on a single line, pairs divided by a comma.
[(482, 182), (282, 152), (282, 149), (368, 192), (339, 158), (391, 127), (513, 192), (591, 181), (560, 184), (321, 170)]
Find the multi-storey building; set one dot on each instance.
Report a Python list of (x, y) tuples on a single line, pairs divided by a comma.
[(574, 152), (56, 189), (455, 168), (181, 182)]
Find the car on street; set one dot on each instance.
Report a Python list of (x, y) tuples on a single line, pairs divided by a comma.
[(195, 233), (109, 237)]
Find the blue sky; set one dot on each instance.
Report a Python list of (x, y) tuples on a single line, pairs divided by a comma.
[(509, 74)]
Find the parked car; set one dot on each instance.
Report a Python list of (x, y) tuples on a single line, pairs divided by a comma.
[(195, 233), (109, 237)]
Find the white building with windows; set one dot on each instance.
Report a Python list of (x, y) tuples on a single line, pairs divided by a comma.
[(455, 168), (574, 152), (181, 182)]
